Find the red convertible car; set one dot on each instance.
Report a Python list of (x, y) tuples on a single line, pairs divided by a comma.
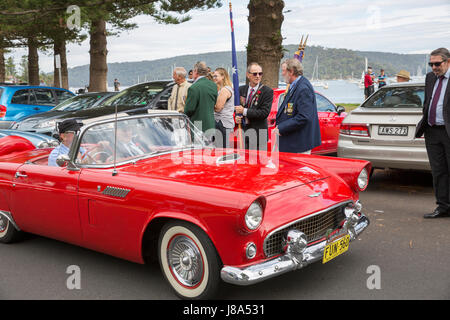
[(330, 119), (146, 186)]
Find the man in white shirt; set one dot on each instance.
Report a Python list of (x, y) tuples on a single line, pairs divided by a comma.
[(178, 97), (435, 125), (256, 103)]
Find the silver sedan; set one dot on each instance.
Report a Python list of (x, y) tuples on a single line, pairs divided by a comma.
[(382, 129)]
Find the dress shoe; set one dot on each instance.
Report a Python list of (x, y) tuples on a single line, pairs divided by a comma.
[(436, 214)]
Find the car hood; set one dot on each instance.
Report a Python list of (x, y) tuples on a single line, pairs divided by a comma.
[(208, 168)]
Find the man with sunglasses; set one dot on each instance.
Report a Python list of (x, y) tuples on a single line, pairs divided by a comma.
[(435, 126), (256, 102)]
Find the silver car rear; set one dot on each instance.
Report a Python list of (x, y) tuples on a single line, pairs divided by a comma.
[(382, 129)]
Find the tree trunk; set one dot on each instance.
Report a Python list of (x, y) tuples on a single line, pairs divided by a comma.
[(60, 48), (33, 62), (98, 69), (265, 40), (2, 66)]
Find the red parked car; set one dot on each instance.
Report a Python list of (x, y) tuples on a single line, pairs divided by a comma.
[(330, 119), (147, 186)]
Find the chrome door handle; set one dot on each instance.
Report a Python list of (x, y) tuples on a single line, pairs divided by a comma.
[(20, 175)]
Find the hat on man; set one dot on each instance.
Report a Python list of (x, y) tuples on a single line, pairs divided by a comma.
[(404, 74), (69, 125)]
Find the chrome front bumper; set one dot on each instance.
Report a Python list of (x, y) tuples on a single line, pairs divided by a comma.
[(291, 260)]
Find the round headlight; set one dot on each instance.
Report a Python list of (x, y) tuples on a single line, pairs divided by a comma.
[(363, 179), (254, 215)]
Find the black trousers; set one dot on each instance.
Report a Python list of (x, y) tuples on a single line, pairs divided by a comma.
[(437, 142)]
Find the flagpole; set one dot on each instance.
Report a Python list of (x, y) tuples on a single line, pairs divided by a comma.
[(235, 75)]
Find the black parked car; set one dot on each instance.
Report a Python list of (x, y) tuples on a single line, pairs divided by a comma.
[(45, 122), (135, 99)]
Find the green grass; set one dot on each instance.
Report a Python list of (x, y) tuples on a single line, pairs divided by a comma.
[(348, 106)]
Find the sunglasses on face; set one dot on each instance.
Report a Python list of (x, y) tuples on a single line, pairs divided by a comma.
[(256, 74), (437, 64)]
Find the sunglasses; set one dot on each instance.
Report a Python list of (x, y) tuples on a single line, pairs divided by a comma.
[(436, 64), (256, 74)]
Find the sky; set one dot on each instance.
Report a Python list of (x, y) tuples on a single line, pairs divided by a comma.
[(399, 26)]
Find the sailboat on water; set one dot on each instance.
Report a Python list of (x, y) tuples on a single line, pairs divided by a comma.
[(315, 76)]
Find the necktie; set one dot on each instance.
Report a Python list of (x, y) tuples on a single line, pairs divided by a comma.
[(437, 94), (250, 97)]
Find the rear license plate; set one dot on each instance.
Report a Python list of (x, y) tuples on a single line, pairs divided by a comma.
[(336, 248), (392, 131)]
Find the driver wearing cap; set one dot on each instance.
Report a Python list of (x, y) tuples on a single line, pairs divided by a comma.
[(66, 130)]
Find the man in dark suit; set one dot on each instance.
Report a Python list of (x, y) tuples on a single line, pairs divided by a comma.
[(201, 99), (297, 118), (435, 125), (256, 102)]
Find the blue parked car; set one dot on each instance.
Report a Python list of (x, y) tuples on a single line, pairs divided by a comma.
[(20, 101)]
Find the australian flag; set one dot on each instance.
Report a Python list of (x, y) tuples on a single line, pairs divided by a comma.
[(234, 62)]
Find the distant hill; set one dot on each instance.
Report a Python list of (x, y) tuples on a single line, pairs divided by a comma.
[(333, 64)]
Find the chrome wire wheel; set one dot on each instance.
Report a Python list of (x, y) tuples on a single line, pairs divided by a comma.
[(189, 260), (4, 224), (185, 261)]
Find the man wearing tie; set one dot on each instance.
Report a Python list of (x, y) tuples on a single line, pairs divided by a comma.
[(256, 102), (297, 118), (435, 126)]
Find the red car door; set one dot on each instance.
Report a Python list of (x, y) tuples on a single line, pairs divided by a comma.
[(329, 125), (44, 201), (112, 219)]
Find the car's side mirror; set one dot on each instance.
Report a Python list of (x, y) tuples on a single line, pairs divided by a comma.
[(62, 160), (340, 109)]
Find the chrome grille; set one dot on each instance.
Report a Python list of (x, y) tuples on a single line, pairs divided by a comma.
[(314, 227)]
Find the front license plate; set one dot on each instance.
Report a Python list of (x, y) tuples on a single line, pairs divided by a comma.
[(336, 248), (393, 131)]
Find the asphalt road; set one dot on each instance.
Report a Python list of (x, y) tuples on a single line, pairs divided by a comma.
[(411, 256)]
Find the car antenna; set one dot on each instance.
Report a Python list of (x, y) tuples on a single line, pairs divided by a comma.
[(114, 173)]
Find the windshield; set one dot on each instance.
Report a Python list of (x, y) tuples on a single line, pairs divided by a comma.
[(139, 95), (137, 138), (78, 103), (397, 97)]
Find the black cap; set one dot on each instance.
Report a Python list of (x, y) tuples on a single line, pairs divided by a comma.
[(69, 125)]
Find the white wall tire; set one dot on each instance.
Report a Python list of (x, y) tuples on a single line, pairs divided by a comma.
[(188, 260), (8, 232)]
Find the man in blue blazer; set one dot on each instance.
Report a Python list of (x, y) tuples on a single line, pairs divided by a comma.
[(297, 119)]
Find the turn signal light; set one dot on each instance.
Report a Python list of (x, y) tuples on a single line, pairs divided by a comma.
[(2, 111), (360, 130)]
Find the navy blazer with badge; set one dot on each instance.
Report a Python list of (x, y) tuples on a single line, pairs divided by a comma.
[(297, 119)]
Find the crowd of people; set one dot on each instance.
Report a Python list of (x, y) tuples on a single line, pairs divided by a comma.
[(207, 98)]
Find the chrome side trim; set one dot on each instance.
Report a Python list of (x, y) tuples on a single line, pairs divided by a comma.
[(8, 216), (284, 263), (304, 218)]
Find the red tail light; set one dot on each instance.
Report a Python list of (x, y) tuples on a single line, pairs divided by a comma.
[(2, 111), (360, 130)]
